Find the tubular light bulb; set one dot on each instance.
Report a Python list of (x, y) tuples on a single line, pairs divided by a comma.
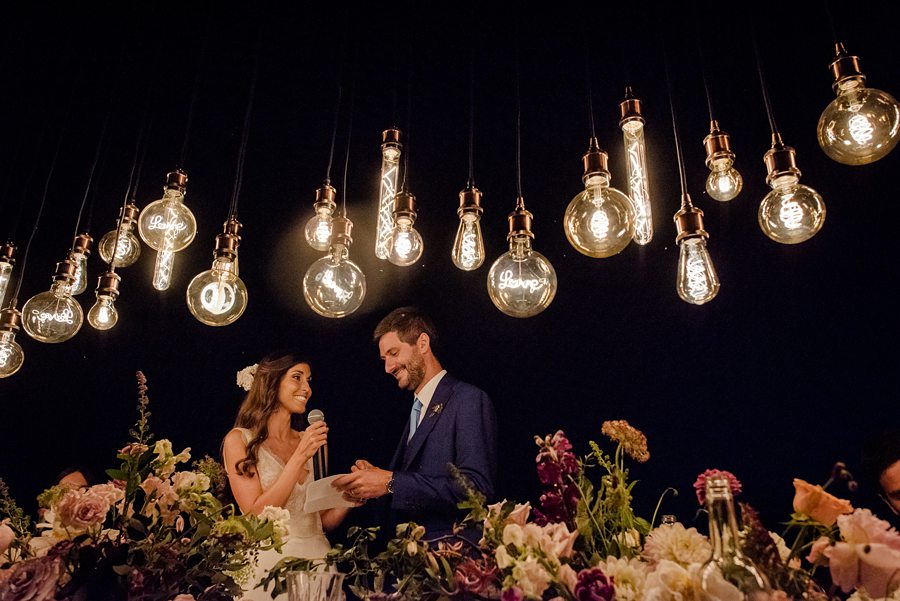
[(11, 354), (599, 221), (334, 286), (162, 269), (128, 248), (54, 316), (390, 169), (862, 124), (7, 260), (217, 296), (724, 182), (405, 245), (318, 228), (167, 224), (791, 213), (697, 282), (81, 248), (522, 282), (632, 124), (468, 246), (103, 315)]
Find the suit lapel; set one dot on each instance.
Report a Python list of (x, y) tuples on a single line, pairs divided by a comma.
[(435, 408)]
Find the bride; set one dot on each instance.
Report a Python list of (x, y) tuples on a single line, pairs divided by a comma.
[(268, 463)]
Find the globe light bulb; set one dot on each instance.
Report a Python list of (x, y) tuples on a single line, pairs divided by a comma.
[(697, 282), (103, 315), (121, 241), (468, 246), (167, 224), (405, 245), (318, 228), (217, 296), (81, 248), (632, 124), (390, 169), (862, 124), (791, 213), (521, 282), (7, 260), (11, 354), (599, 221), (334, 286), (54, 316), (724, 182)]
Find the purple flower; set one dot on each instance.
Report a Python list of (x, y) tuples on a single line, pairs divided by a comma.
[(31, 580), (549, 472), (513, 593), (593, 585), (700, 484)]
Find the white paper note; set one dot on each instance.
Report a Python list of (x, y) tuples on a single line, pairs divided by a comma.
[(320, 495)]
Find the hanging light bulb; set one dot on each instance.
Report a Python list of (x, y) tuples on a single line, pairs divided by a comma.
[(81, 249), (697, 281), (128, 248), (168, 226), (405, 245), (724, 182), (791, 212), (632, 124), (318, 228), (218, 297), (599, 221), (11, 354), (862, 124), (7, 260), (103, 315), (468, 246), (335, 286), (390, 169), (522, 282), (54, 316)]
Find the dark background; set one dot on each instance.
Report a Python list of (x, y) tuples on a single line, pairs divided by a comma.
[(789, 369)]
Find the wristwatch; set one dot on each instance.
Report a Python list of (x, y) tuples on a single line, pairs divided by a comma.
[(390, 486)]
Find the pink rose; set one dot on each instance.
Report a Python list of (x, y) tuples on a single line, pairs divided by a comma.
[(863, 527), (82, 509), (557, 541), (31, 580), (871, 566), (519, 515), (817, 551), (814, 502), (7, 536)]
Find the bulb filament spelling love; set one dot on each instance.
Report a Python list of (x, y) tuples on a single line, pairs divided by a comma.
[(157, 223), (64, 316), (327, 279), (507, 280)]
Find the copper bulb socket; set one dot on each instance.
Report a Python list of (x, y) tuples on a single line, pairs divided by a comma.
[(65, 271), (108, 284), (595, 160), (717, 144), (227, 242), (10, 320), (405, 205), (630, 108), (8, 253), (341, 227), (780, 160), (177, 180), (391, 137), (689, 221), (844, 67), (520, 221), (82, 244), (470, 202), (129, 212), (325, 198)]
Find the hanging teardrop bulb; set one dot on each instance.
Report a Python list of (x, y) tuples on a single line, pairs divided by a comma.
[(334, 286), (318, 228), (7, 261), (81, 249), (54, 316), (468, 246), (390, 169), (128, 248), (103, 315), (405, 245), (724, 182), (11, 354), (791, 213), (632, 124), (697, 282), (217, 296)]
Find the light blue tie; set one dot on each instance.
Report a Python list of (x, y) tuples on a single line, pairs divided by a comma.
[(414, 418)]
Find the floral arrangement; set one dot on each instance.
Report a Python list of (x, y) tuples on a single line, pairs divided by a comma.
[(153, 532), (246, 375)]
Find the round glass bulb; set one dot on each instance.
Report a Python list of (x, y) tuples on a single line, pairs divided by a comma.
[(127, 251), (80, 283), (860, 126), (334, 286), (468, 246), (791, 212), (405, 244), (599, 221), (724, 182), (11, 354), (167, 224), (697, 281), (103, 315), (52, 316), (318, 230), (522, 282), (217, 297)]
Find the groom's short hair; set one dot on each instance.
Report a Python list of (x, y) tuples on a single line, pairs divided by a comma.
[(409, 323)]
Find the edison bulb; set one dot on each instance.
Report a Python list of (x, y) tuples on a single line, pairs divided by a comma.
[(80, 284), (11, 354), (5, 273), (127, 249), (861, 125), (697, 281), (468, 246), (217, 297), (599, 221), (522, 282), (334, 286), (103, 315), (724, 182), (791, 212), (52, 316), (405, 244), (390, 169), (318, 230), (167, 224), (638, 184)]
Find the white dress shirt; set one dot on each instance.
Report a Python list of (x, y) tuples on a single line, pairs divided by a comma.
[(427, 392)]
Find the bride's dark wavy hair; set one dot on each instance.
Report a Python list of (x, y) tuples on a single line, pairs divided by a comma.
[(261, 402)]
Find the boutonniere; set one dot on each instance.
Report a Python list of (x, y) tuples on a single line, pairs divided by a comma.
[(437, 409)]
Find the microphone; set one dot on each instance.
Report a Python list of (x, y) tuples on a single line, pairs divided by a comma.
[(320, 459)]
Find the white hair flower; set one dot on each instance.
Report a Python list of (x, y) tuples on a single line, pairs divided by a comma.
[(245, 376)]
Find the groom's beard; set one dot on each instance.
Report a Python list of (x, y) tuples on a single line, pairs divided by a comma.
[(415, 371)]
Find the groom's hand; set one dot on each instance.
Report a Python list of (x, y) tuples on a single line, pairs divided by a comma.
[(361, 464), (364, 483)]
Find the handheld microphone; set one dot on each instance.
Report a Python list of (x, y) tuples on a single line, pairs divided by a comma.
[(320, 459)]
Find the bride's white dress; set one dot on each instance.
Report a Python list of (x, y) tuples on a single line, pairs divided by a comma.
[(306, 539)]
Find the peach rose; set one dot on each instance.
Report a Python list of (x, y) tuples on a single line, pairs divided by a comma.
[(82, 509), (813, 501), (519, 514), (6, 537)]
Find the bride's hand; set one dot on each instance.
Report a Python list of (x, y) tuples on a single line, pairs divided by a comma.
[(314, 437)]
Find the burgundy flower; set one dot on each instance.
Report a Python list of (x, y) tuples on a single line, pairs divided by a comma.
[(700, 484), (31, 580), (475, 577), (549, 472), (553, 508), (512, 594), (594, 585)]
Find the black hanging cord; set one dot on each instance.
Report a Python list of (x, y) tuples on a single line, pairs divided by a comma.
[(347, 155), (590, 88), (830, 17), (242, 153), (471, 182), (681, 172), (709, 102), (337, 112), (32, 172), (147, 126), (408, 114), (87, 188), (196, 92), (765, 90), (138, 154), (518, 132)]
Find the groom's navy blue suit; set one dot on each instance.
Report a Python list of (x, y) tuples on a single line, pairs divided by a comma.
[(459, 427)]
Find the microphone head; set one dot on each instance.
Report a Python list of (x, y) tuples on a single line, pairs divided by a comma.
[(314, 416)]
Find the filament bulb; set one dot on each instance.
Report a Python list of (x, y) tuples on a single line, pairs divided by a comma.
[(390, 169), (632, 124), (468, 246), (54, 316), (697, 280), (11, 354)]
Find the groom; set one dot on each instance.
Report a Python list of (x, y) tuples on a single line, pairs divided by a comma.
[(450, 422)]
